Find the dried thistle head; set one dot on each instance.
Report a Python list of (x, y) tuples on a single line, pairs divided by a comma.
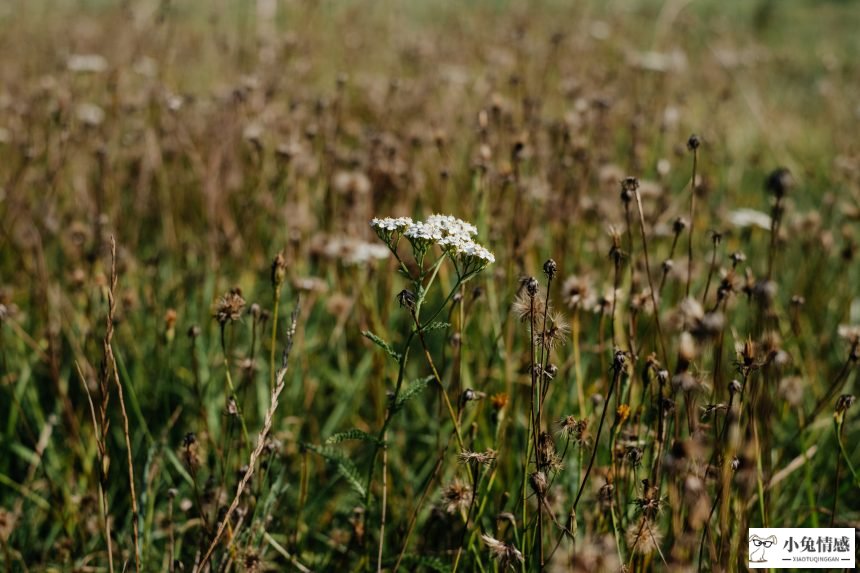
[(456, 497), (555, 332), (538, 483), (573, 429), (694, 142), (477, 458), (527, 307), (550, 269), (575, 291), (779, 182), (506, 554), (229, 307), (279, 270), (643, 537), (844, 402)]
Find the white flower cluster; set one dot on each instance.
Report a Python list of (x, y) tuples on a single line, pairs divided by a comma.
[(451, 225), (391, 224), (424, 232), (453, 235)]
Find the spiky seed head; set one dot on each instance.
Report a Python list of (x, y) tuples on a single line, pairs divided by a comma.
[(532, 286), (279, 270), (693, 142), (779, 182)]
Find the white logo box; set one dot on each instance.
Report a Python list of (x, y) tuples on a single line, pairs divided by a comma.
[(802, 548)]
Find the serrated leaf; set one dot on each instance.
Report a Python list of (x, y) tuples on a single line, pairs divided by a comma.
[(436, 325), (382, 344), (345, 466), (353, 434), (412, 390)]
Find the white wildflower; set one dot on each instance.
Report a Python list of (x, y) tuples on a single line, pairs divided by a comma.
[(391, 224), (423, 232), (86, 63), (361, 253), (452, 226)]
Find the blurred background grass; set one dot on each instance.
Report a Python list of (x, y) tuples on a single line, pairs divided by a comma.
[(201, 104)]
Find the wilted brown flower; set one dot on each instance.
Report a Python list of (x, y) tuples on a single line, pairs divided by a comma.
[(229, 307), (456, 496), (507, 555)]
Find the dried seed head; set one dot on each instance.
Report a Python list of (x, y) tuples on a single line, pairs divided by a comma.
[(667, 266), (528, 307), (779, 182), (279, 270), (628, 187), (693, 142), (538, 483), (554, 334), (678, 225), (575, 291), (735, 387), (507, 555), (229, 307), (477, 458), (643, 537), (737, 258), (574, 429), (470, 395), (532, 286), (844, 402), (456, 497), (550, 269), (407, 299)]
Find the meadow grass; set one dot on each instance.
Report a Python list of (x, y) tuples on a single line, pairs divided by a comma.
[(636, 337)]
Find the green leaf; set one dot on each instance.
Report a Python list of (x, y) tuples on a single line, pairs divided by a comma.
[(413, 562), (412, 390), (382, 344), (437, 325), (345, 466), (352, 434)]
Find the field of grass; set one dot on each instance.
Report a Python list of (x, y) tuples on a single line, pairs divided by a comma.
[(217, 354)]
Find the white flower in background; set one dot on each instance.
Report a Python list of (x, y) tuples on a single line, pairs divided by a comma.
[(362, 253), (86, 63)]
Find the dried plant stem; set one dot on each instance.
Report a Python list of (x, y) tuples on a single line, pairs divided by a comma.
[(232, 389), (171, 541), (100, 444), (111, 363), (277, 297), (616, 375), (692, 221), (648, 274), (711, 270), (438, 379), (414, 517), (261, 441), (384, 502)]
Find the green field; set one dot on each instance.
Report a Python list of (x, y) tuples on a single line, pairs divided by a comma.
[(636, 338)]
